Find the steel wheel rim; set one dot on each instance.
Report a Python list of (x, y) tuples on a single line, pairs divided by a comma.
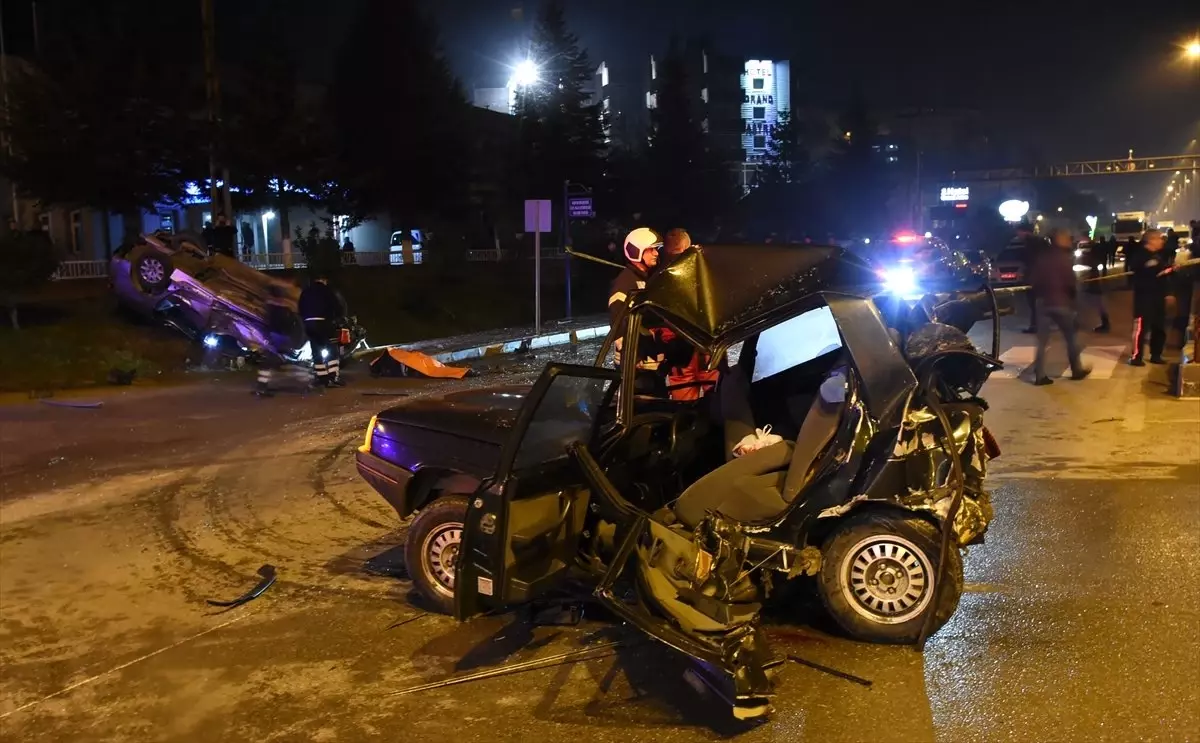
[(439, 553), (887, 579), (152, 271)]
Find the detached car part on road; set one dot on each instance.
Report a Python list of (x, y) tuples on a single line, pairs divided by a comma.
[(216, 299), (578, 482)]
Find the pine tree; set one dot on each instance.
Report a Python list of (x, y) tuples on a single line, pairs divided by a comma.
[(690, 182), (787, 159), (401, 117), (562, 132)]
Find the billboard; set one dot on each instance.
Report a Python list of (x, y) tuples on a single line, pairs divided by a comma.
[(766, 93)]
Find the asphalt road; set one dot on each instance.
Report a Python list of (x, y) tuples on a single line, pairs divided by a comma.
[(1079, 621)]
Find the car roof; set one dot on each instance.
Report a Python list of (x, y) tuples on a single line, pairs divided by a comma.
[(713, 293)]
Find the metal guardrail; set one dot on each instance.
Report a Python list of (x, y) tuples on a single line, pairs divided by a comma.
[(279, 261), (80, 270)]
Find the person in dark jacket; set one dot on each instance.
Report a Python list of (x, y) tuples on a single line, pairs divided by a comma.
[(1096, 259), (1150, 270), (1031, 247), (224, 237), (641, 255), (1053, 280), (320, 307)]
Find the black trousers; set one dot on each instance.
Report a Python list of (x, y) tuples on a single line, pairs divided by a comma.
[(326, 361), (1149, 325)]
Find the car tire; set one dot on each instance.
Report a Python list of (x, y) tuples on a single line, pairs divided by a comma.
[(431, 550), (152, 271), (878, 578)]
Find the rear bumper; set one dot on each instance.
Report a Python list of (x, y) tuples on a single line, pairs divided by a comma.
[(389, 480)]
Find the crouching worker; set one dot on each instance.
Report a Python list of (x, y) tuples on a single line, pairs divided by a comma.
[(285, 332)]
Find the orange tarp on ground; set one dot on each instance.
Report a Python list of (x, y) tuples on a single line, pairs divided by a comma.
[(418, 362)]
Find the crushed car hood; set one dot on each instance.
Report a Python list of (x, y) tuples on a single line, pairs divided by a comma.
[(484, 414)]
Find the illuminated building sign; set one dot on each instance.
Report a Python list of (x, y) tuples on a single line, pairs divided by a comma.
[(1013, 210), (766, 93), (955, 193)]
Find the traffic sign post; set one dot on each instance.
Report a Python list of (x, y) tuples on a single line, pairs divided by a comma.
[(537, 221), (576, 205)]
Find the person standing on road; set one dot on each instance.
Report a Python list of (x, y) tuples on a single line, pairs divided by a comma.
[(1096, 259), (1032, 247), (1150, 270), (319, 307), (641, 256), (1052, 277)]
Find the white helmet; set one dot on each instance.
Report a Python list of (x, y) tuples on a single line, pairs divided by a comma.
[(639, 241)]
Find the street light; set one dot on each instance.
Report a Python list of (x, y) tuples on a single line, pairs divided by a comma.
[(267, 216), (1192, 50), (524, 74)]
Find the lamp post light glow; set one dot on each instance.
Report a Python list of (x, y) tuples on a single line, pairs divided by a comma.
[(524, 74), (1192, 50), (1014, 209)]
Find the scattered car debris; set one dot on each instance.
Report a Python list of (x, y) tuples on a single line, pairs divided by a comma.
[(572, 656), (406, 620), (268, 575), (832, 671), (73, 404)]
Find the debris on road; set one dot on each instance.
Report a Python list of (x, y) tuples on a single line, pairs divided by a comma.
[(73, 404), (383, 393), (572, 656), (406, 620), (832, 671), (268, 575)]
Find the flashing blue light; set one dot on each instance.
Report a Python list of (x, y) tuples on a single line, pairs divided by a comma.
[(211, 341), (901, 281)]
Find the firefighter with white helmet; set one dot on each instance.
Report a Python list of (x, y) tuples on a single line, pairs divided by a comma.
[(641, 256)]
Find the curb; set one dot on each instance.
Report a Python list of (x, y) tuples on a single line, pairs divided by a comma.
[(516, 345)]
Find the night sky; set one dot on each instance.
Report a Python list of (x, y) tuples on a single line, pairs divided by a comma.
[(1060, 76)]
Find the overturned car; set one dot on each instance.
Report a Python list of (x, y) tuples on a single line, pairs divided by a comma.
[(214, 298), (878, 481)]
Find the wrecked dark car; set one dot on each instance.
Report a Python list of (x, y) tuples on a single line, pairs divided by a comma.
[(215, 299), (586, 483)]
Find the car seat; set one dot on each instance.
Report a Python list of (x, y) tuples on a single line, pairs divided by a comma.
[(716, 492)]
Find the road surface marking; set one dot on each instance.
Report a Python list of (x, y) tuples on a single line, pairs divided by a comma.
[(1102, 359)]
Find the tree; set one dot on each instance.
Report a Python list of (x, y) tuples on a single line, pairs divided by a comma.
[(561, 130), (322, 255), (857, 177), (400, 118), (787, 159), (690, 183), (27, 260), (106, 120)]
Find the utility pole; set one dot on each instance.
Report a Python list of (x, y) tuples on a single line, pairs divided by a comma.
[(16, 213)]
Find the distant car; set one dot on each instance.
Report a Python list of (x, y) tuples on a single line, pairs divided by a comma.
[(1008, 268), (215, 299)]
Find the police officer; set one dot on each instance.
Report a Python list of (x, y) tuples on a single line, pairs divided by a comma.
[(1150, 270), (641, 256), (319, 307)]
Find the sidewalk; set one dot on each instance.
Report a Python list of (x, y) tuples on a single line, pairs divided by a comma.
[(507, 340)]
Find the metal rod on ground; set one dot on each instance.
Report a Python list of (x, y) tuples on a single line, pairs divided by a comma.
[(537, 277), (573, 656)]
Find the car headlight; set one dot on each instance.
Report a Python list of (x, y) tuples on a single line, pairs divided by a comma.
[(901, 281), (1078, 252), (366, 446)]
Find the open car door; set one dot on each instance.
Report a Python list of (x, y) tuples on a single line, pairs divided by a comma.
[(523, 525)]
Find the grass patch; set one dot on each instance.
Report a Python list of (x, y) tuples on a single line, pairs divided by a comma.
[(65, 345)]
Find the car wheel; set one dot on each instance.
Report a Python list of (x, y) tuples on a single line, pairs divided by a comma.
[(152, 272), (432, 549), (878, 578)]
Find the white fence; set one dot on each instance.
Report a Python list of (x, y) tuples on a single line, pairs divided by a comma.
[(279, 261), (81, 270)]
